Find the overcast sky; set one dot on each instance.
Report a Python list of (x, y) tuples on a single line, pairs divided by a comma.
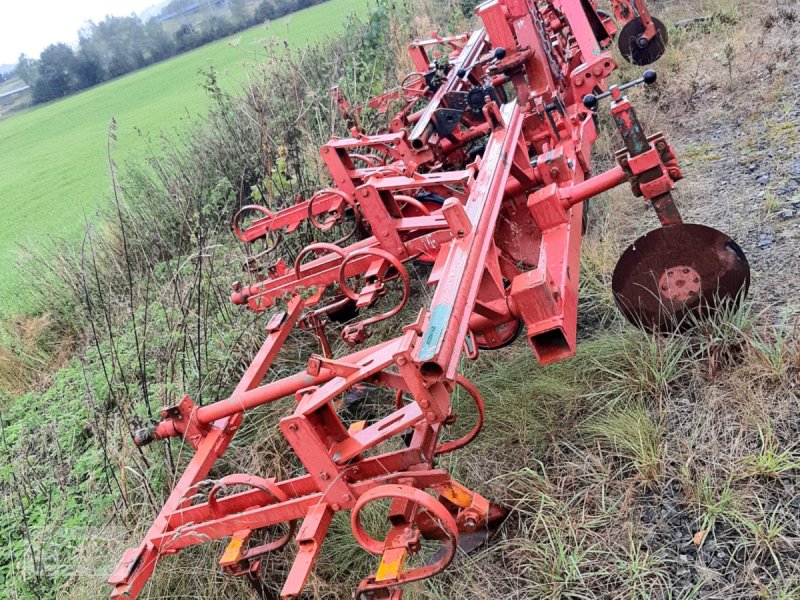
[(30, 25)]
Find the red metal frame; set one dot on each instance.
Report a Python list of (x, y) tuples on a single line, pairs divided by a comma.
[(505, 248)]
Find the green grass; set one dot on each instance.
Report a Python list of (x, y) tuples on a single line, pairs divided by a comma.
[(53, 166)]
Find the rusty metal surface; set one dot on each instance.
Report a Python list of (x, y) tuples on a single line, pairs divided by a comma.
[(676, 270), (635, 51)]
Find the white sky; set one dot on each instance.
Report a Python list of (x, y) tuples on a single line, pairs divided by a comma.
[(31, 25)]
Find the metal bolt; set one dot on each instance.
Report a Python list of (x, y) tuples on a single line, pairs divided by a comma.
[(292, 427), (324, 476), (424, 403), (335, 507), (431, 416), (346, 497)]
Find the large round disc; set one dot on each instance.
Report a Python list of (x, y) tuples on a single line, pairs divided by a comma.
[(638, 51), (676, 270)]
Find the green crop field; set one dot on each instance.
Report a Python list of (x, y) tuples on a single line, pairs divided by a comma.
[(53, 162)]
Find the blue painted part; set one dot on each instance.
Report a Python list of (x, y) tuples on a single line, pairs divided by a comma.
[(436, 328)]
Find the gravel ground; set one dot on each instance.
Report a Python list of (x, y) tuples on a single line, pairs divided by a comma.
[(739, 147)]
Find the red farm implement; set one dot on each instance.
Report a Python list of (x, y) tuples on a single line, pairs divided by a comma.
[(482, 173)]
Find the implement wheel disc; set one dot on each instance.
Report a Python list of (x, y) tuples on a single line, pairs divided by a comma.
[(678, 270), (638, 51)]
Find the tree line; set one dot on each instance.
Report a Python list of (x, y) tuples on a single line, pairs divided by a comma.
[(118, 45)]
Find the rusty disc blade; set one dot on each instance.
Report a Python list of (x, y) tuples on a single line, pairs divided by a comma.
[(638, 51), (471, 541), (676, 270)]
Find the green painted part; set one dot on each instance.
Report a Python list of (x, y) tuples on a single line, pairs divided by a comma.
[(436, 328)]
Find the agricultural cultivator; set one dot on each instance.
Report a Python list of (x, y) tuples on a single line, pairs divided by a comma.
[(482, 174)]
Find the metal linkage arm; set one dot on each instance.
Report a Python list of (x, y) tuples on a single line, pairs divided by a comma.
[(463, 265), (210, 442)]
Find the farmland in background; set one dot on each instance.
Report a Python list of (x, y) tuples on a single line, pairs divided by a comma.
[(53, 166)]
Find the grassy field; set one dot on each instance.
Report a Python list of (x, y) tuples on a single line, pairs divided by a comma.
[(53, 166)]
